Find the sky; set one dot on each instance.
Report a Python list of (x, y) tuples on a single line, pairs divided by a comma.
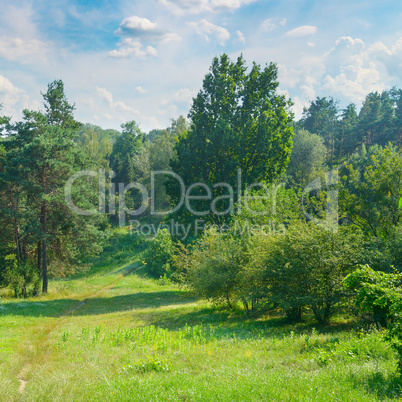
[(145, 60)]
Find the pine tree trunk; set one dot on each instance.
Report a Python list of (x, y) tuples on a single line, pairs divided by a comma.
[(44, 270), (40, 272), (17, 242), (44, 232), (44, 259)]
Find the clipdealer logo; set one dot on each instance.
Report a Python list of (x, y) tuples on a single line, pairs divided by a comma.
[(236, 199)]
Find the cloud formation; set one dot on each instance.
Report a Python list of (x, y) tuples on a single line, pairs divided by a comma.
[(240, 37), (206, 29), (130, 46), (302, 31), (180, 7), (136, 26), (361, 70), (134, 31), (23, 50), (119, 105)]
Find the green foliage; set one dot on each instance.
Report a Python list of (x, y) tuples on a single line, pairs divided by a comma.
[(150, 364), (22, 278), (371, 189), (41, 156), (320, 117), (269, 210), (97, 144), (214, 266), (374, 292), (383, 253), (379, 295), (125, 153), (378, 122), (307, 158), (158, 255), (161, 153), (238, 121), (57, 108), (296, 268), (305, 266)]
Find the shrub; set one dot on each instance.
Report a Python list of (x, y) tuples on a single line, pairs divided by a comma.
[(213, 268), (158, 255), (374, 293), (23, 278), (305, 267), (379, 295)]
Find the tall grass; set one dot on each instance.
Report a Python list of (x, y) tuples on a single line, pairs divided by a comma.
[(123, 337)]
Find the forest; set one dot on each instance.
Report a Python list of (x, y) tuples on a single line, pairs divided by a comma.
[(263, 218)]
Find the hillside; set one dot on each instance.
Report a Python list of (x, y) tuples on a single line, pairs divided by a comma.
[(115, 334)]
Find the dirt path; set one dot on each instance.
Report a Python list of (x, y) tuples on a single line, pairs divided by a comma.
[(42, 349)]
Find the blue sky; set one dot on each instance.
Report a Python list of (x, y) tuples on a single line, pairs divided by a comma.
[(145, 60)]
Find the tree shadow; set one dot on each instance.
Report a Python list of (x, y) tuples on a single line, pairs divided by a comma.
[(96, 305), (384, 387)]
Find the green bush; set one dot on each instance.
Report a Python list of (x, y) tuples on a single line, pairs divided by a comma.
[(305, 266), (374, 293), (158, 255), (379, 295), (213, 267), (23, 278)]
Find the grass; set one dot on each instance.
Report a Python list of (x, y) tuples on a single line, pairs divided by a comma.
[(112, 335)]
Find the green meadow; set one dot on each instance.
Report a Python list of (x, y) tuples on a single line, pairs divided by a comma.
[(114, 334)]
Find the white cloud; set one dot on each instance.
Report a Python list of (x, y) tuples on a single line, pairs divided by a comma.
[(169, 37), (105, 94), (302, 31), (14, 99), (358, 70), (349, 42), (180, 7), (119, 105), (185, 95), (131, 46), (229, 4), (17, 49), (182, 100), (268, 25), (205, 28), (9, 93), (19, 20), (19, 37), (355, 81), (136, 26), (141, 90), (298, 106), (240, 37), (136, 30)]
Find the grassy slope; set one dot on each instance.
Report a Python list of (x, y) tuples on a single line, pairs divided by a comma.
[(111, 335)]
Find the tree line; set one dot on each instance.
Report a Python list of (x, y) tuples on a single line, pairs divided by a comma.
[(290, 249)]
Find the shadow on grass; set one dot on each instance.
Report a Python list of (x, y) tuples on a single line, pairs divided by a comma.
[(233, 322), (96, 305), (384, 387)]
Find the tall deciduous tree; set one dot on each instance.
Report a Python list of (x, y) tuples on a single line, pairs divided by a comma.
[(126, 150), (238, 121), (307, 158), (371, 190)]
